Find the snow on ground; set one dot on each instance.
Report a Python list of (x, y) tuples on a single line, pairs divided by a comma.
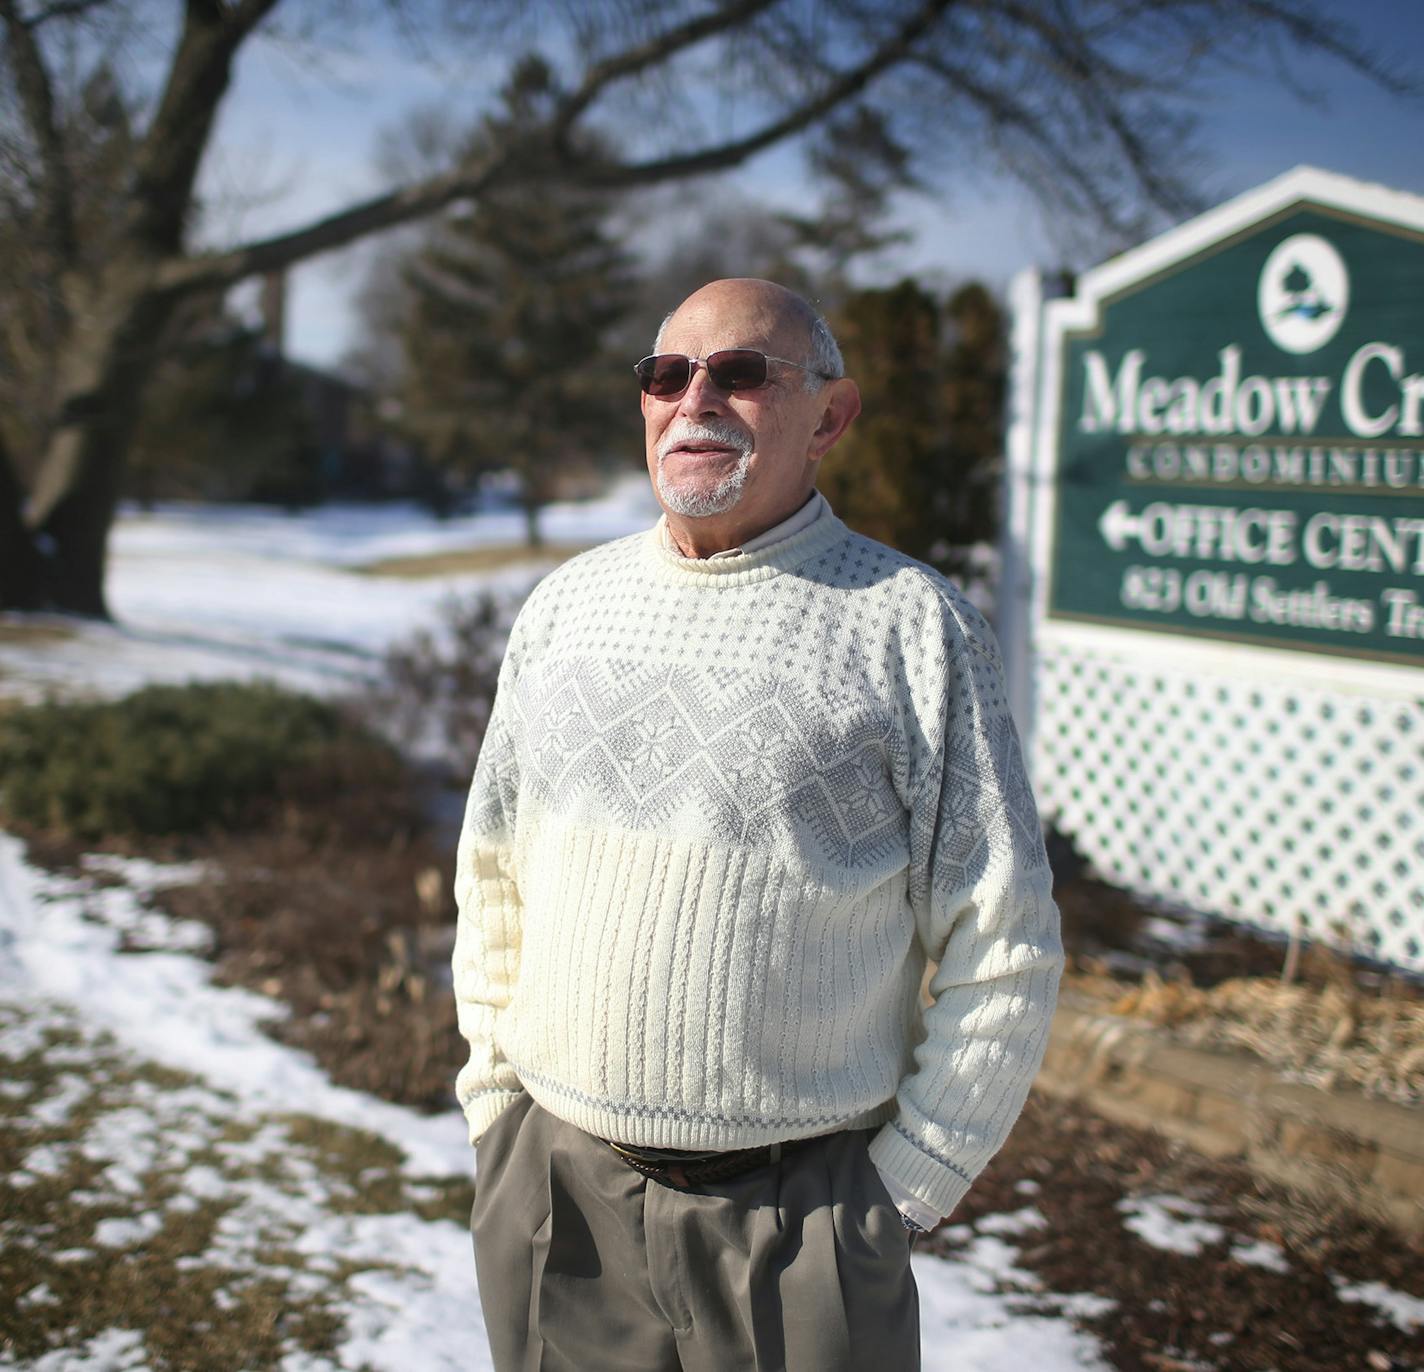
[(1260, 1253), (340, 535), (1170, 1223), (1407, 1312), (981, 1313), (208, 593), (413, 1306), (401, 1284), (115, 1350), (59, 941)]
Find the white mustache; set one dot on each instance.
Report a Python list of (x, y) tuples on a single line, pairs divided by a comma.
[(719, 431)]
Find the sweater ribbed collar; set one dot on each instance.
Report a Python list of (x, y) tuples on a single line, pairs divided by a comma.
[(810, 510), (760, 559)]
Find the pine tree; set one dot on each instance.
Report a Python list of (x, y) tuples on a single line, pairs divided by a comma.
[(969, 474), (879, 476), (920, 468), (510, 308)]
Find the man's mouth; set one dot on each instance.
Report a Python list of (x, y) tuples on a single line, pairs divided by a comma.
[(696, 448), (705, 440)]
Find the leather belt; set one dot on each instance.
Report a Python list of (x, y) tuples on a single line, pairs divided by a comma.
[(684, 1170)]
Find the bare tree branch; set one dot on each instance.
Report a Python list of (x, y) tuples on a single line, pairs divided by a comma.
[(250, 13), (198, 77), (1003, 110), (845, 87), (658, 49), (1097, 82), (1315, 31), (217, 270), (63, 9), (181, 274), (36, 92)]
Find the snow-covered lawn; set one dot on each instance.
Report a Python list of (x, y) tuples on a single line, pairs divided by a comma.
[(208, 592), (189, 1167)]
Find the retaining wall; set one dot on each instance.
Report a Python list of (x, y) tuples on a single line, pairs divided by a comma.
[(1336, 1144)]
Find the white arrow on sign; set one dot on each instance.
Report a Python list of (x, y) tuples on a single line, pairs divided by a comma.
[(1118, 524)]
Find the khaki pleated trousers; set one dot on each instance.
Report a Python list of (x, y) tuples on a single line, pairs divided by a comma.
[(584, 1265)]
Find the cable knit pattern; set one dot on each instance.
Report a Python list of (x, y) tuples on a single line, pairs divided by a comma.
[(724, 812)]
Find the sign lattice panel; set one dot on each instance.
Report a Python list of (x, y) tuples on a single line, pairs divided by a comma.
[(1271, 802)]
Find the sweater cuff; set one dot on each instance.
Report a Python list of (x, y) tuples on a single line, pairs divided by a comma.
[(482, 1109), (937, 1183)]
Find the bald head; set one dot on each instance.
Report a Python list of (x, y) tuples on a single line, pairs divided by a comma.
[(730, 463), (789, 322)]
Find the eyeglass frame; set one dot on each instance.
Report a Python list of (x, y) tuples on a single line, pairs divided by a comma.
[(703, 361)]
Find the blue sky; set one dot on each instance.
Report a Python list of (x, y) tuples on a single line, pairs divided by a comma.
[(302, 132)]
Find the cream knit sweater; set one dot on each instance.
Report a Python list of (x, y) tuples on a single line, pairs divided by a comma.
[(724, 812)]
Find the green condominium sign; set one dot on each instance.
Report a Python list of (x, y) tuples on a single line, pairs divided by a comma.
[(1240, 437)]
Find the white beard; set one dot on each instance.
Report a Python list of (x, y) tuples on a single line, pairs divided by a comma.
[(690, 495)]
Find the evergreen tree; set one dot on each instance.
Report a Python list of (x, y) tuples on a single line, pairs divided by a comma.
[(969, 475), (878, 476), (920, 468), (510, 308)]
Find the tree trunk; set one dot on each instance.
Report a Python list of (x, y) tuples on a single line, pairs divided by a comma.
[(105, 370), (533, 535), (21, 568)]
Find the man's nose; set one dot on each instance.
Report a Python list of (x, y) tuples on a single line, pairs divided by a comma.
[(702, 395)]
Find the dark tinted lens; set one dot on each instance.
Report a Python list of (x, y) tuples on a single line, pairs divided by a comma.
[(737, 369), (664, 374)]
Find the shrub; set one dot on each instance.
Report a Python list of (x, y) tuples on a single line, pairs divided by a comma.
[(178, 760), (439, 684)]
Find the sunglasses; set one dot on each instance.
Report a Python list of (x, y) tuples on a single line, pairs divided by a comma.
[(732, 369)]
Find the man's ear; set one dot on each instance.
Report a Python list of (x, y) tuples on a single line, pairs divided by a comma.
[(841, 405)]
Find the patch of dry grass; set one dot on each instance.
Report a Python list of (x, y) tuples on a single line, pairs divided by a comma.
[(32, 632), (461, 560), (134, 1202), (1326, 1033), (62, 1285)]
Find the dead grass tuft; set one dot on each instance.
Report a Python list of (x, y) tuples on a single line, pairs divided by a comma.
[(1326, 1034)]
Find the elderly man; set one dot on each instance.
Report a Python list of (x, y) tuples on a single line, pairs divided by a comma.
[(747, 774)]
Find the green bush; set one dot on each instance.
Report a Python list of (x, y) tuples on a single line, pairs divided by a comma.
[(178, 760)]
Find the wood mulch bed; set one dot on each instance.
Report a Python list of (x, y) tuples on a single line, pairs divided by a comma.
[(1211, 1309)]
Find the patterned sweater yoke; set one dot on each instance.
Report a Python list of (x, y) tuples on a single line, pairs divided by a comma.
[(725, 812)]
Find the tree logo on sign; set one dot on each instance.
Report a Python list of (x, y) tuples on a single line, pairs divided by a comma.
[(1303, 293)]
